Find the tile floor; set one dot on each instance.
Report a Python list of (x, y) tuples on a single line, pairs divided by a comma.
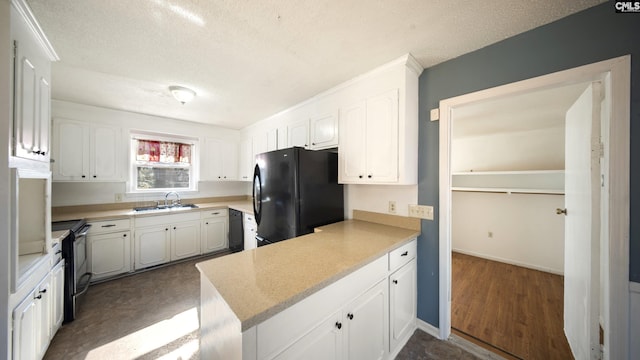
[(154, 315)]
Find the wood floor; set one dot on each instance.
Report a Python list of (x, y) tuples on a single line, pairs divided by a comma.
[(515, 309)]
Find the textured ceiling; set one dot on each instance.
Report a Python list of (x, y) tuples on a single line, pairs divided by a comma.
[(249, 59)]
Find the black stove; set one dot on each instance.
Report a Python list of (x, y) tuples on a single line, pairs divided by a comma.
[(76, 274)]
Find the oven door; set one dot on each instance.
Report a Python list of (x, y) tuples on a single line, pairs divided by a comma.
[(81, 275)]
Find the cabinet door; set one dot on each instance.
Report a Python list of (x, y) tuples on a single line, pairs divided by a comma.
[(24, 329), (43, 317), (283, 138), (214, 234), (299, 134), (220, 160), (382, 137), (351, 157), (324, 342), (272, 139), (185, 240), (152, 246), (57, 297), (105, 159), (367, 324), (72, 150), (44, 121), (246, 161), (109, 254), (250, 229), (402, 303), (324, 131)]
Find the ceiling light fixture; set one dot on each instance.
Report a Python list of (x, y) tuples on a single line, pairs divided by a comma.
[(182, 94)]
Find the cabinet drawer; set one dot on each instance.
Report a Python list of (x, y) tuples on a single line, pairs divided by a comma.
[(213, 213), (402, 255), (100, 227), (166, 219)]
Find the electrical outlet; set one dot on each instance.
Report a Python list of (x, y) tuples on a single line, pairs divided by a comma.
[(421, 211), (118, 197), (392, 207)]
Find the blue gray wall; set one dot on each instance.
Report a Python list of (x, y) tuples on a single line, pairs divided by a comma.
[(592, 35)]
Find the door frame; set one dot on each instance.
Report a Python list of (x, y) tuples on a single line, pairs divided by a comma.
[(616, 141)]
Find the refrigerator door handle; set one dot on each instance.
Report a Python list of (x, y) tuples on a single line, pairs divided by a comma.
[(257, 195)]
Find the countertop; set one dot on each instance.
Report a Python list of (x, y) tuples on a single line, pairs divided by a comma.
[(98, 215), (259, 283)]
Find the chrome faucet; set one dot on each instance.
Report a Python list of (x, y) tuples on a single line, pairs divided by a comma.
[(166, 198)]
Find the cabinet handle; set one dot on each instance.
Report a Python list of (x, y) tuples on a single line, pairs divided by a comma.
[(395, 281), (206, 223), (95, 176), (83, 176), (166, 229), (219, 177), (42, 291), (39, 297), (350, 316), (174, 228), (360, 176), (43, 153), (313, 144), (404, 253), (215, 213), (124, 235), (369, 176), (338, 325), (58, 252), (108, 225)]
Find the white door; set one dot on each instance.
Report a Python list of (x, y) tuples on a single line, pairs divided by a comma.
[(110, 254), (299, 134), (106, 150), (367, 325), (322, 343), (57, 297), (382, 137), (185, 240), (352, 143), (152, 246), (402, 303), (214, 234), (582, 224), (24, 329)]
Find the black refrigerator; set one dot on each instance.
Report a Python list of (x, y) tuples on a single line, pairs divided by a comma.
[(294, 191)]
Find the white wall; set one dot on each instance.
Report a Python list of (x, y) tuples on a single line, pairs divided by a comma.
[(78, 193), (5, 131), (525, 227), (376, 198), (541, 149)]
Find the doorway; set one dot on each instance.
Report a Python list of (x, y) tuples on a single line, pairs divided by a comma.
[(615, 207)]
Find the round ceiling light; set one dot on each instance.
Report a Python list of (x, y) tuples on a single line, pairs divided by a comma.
[(182, 93)]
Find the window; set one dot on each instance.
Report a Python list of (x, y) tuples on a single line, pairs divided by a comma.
[(161, 163)]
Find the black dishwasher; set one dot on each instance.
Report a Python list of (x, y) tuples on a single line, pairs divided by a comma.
[(236, 233)]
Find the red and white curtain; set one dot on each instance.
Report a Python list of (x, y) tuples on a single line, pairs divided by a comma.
[(164, 152)]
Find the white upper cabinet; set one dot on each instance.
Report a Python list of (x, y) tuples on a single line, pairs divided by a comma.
[(31, 96), (87, 152), (298, 134), (369, 132), (220, 160), (378, 131), (245, 163), (323, 130)]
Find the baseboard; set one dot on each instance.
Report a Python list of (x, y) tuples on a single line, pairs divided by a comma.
[(429, 329), (509, 261)]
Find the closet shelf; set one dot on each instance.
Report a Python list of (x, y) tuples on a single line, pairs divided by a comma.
[(526, 182)]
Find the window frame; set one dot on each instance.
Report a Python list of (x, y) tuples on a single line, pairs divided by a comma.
[(134, 136)]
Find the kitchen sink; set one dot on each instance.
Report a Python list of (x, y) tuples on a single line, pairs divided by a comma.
[(165, 208)]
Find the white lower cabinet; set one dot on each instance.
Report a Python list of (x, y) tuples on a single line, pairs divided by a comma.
[(185, 240), (367, 321), (152, 246), (324, 342), (110, 254), (402, 302), (32, 322), (57, 297), (164, 238), (215, 230), (109, 248), (250, 230)]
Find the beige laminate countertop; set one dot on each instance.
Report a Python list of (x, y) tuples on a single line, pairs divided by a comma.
[(259, 283), (98, 215)]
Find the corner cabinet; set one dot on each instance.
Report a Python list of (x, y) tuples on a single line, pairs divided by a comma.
[(378, 131), (32, 57), (86, 151)]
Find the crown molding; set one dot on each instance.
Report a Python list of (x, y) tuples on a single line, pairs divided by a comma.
[(25, 11)]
